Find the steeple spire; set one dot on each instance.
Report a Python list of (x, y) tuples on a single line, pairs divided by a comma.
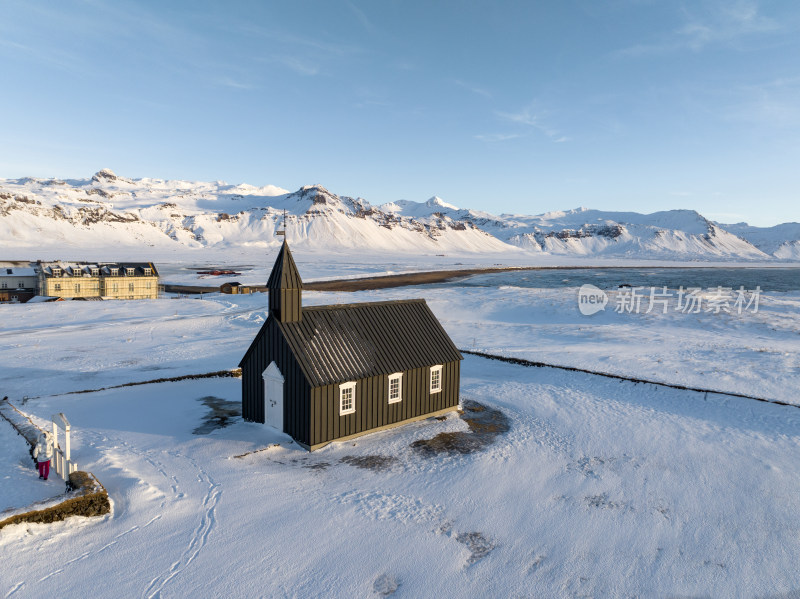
[(285, 288)]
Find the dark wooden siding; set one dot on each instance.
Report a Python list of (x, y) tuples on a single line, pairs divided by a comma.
[(271, 346), (373, 409), (285, 304)]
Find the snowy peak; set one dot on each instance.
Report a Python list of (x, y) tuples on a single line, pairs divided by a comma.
[(431, 207), (105, 174), (782, 241), (315, 198), (438, 203), (559, 214), (108, 209), (670, 234)]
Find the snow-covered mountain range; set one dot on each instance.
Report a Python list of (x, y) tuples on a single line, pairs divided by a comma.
[(110, 210)]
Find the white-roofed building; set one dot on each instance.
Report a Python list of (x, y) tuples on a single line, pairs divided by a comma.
[(17, 284)]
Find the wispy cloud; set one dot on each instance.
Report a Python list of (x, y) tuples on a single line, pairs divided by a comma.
[(298, 41), (134, 31), (49, 56), (228, 82), (774, 103), (299, 65), (723, 21), (495, 137), (361, 17), (304, 55), (537, 120), (14, 45), (473, 88)]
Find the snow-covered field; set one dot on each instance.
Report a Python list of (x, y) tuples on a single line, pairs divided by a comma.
[(70, 346), (599, 488), (20, 479)]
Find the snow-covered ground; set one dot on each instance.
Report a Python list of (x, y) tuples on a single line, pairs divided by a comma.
[(599, 488), (68, 346), (18, 474)]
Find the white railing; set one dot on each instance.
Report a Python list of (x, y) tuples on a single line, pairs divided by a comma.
[(62, 462)]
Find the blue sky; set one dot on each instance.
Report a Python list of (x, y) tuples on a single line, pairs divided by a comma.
[(503, 106)]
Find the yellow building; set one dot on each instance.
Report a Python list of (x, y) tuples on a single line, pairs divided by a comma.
[(107, 280)]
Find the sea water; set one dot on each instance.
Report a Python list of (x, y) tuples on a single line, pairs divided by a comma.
[(768, 279)]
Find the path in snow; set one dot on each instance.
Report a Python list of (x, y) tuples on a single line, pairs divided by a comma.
[(599, 488)]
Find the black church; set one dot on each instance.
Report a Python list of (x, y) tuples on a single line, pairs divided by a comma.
[(328, 373)]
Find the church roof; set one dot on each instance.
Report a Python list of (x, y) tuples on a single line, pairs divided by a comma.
[(348, 342)]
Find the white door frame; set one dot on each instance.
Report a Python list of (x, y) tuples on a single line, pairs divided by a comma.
[(273, 396)]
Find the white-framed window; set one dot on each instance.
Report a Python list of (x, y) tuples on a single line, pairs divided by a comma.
[(58, 287), (77, 287), (148, 272), (4, 285), (129, 272), (56, 272), (114, 287), (20, 285), (77, 271), (347, 398), (114, 272), (149, 285), (130, 287), (395, 387), (436, 378), (95, 272)]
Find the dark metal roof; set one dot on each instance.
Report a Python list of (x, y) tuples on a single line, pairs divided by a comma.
[(335, 344), (284, 274), (104, 267)]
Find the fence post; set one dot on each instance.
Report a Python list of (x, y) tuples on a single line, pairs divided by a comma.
[(55, 461), (62, 458)]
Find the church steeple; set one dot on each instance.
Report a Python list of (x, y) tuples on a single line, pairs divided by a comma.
[(285, 288)]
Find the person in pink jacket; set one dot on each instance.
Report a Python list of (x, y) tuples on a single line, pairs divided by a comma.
[(43, 453)]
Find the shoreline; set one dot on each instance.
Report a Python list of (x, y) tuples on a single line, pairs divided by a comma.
[(407, 279), (368, 283)]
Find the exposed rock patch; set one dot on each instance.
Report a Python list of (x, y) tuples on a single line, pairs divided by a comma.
[(376, 463), (221, 413), (485, 424)]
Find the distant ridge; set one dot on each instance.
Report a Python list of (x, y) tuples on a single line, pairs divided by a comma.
[(109, 209)]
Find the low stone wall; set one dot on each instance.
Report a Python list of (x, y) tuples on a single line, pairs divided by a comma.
[(85, 495), (19, 421)]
